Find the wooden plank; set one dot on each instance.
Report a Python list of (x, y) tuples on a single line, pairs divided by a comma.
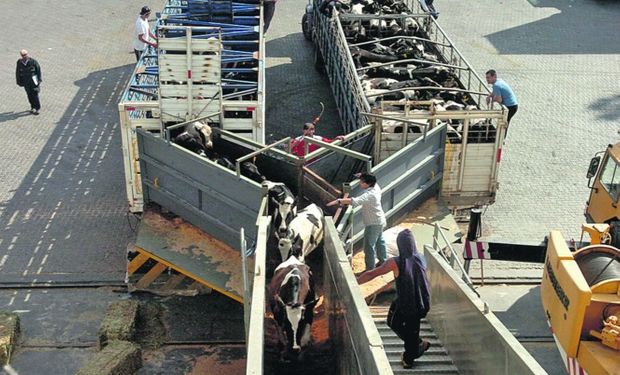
[(180, 90), (211, 77), (173, 282), (238, 124), (150, 276), (136, 263), (180, 44)]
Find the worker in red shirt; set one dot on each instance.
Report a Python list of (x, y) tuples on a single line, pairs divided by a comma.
[(298, 145)]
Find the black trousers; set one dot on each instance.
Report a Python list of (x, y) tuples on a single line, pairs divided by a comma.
[(511, 111), (33, 97), (411, 337), (138, 54), (269, 8)]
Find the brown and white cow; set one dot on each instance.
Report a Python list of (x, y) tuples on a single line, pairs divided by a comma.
[(196, 137), (304, 233), (292, 300)]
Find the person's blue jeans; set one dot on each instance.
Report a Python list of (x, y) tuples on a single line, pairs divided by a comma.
[(373, 240)]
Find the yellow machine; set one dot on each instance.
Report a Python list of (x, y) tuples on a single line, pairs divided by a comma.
[(580, 292), (604, 182)]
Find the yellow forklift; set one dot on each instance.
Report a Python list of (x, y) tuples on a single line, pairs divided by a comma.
[(580, 290)]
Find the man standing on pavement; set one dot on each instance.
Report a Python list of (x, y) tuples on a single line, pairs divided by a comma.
[(142, 33), (269, 8), (28, 76), (373, 218), (502, 94)]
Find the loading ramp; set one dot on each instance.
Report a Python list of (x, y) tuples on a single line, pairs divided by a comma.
[(187, 250), (434, 361)]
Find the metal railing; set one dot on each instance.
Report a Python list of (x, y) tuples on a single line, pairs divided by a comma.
[(451, 257)]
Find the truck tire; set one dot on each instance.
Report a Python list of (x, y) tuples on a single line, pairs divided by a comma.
[(306, 26), (319, 63)]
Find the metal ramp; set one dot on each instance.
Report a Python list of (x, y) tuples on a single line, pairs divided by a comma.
[(434, 361), (195, 257)]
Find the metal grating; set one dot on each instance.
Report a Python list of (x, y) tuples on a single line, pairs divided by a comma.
[(435, 361)]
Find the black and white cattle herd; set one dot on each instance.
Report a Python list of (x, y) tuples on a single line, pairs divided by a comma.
[(396, 61), (291, 290)]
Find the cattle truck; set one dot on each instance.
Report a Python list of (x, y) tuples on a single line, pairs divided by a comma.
[(208, 65), (475, 131)]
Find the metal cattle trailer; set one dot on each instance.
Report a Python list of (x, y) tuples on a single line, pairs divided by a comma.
[(475, 135), (209, 65)]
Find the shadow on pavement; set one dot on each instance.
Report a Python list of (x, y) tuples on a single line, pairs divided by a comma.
[(66, 221), (8, 116), (608, 108), (581, 27)]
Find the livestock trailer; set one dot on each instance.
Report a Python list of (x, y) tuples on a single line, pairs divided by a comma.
[(208, 65), (391, 64)]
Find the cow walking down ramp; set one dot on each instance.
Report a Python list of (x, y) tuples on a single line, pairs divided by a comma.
[(292, 301)]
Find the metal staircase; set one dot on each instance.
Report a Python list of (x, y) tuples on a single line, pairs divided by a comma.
[(435, 361)]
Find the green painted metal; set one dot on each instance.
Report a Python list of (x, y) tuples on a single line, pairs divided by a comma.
[(192, 252)]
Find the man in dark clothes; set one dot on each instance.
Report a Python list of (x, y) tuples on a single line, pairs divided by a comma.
[(28, 76), (413, 295), (269, 8)]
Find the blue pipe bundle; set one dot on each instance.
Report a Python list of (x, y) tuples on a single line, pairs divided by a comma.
[(236, 22)]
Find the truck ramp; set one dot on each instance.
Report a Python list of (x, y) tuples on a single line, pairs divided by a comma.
[(435, 361), (174, 254)]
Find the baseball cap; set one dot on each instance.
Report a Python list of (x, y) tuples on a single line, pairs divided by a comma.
[(145, 10)]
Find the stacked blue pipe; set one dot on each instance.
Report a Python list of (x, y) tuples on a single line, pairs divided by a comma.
[(238, 25)]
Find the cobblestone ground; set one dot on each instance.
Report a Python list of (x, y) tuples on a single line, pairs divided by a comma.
[(563, 61), (294, 88), (62, 201)]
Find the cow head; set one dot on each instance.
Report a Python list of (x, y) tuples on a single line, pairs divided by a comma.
[(293, 302), (284, 212), (285, 242), (206, 133), (250, 170)]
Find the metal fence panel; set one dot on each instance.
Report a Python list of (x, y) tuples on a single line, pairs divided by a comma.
[(207, 195), (407, 177), (452, 297), (357, 341)]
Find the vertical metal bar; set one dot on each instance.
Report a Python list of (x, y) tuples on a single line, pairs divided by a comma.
[(463, 154), (246, 283), (188, 36)]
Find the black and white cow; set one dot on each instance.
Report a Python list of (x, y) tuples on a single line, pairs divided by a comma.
[(282, 206), (292, 300), (304, 233), (196, 137)]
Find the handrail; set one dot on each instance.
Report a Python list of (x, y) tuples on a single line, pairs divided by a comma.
[(411, 60), (342, 150), (257, 152), (398, 37), (365, 129), (453, 256)]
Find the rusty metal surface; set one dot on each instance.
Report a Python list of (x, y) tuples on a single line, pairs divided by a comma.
[(192, 252)]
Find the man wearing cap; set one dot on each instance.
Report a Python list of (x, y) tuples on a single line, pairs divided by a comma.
[(142, 33), (28, 76)]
